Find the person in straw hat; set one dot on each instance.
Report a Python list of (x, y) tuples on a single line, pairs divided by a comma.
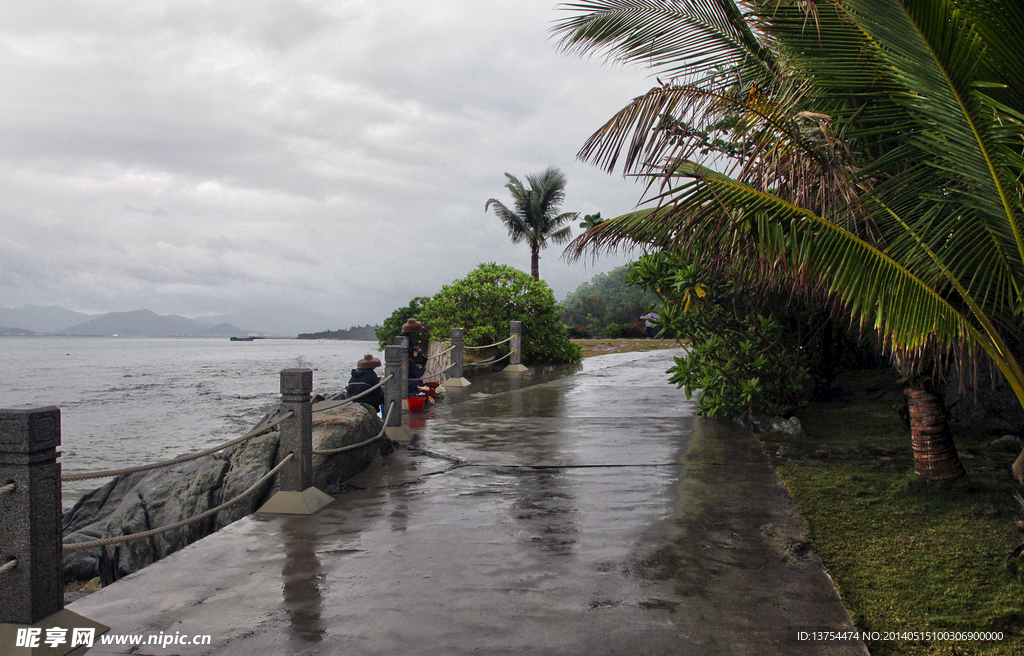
[(363, 378), (411, 330)]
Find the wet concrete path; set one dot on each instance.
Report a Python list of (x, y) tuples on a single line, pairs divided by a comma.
[(536, 514)]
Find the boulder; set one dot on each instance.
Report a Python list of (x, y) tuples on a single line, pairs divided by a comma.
[(1007, 443), (766, 424), (145, 500), (350, 424)]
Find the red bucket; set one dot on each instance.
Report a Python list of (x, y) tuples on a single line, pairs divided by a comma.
[(416, 403)]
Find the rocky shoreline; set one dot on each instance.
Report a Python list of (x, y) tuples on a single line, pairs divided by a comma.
[(139, 502)]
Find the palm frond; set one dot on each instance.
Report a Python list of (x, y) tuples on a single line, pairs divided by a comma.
[(672, 37)]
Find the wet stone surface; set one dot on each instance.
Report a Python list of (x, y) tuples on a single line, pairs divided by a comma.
[(539, 514)]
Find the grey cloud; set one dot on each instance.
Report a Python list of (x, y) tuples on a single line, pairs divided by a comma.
[(196, 157)]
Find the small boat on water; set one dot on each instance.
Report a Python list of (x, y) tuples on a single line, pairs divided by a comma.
[(243, 339)]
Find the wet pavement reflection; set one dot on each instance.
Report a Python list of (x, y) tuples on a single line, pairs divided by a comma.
[(560, 511)]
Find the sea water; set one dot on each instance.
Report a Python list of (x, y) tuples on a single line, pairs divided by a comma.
[(129, 402)]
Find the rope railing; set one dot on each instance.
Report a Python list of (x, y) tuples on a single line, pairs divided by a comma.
[(469, 348), (9, 565), (437, 355), (7, 489), (260, 430), (185, 522), (442, 372), (480, 364), (349, 447), (325, 408)]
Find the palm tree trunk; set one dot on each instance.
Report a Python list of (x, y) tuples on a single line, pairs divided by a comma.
[(935, 456), (535, 261)]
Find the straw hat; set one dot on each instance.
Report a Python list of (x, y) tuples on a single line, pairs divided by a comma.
[(368, 362)]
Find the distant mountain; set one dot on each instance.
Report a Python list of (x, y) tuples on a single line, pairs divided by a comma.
[(223, 330), (35, 318), (144, 323), (280, 320), (15, 331)]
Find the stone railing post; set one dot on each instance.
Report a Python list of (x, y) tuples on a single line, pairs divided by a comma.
[(296, 495), (32, 587), (403, 342), (515, 360), (395, 391), (31, 540), (296, 432), (455, 378)]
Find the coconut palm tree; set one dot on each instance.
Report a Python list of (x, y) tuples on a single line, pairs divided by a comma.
[(536, 219), (867, 149)]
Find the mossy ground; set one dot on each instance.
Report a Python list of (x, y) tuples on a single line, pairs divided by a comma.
[(906, 555), (593, 347)]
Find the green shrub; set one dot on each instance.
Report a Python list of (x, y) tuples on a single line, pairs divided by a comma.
[(392, 326), (624, 331), (484, 302), (740, 358), (579, 332)]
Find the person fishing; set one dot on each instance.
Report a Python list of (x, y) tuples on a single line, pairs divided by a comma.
[(363, 378)]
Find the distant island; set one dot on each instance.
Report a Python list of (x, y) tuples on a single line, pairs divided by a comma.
[(15, 331), (273, 320), (355, 332)]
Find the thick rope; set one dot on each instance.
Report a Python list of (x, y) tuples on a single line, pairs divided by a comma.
[(480, 364), (489, 345), (437, 355), (185, 522), (445, 370), (331, 452), (360, 395), (7, 489), (167, 463), (9, 565)]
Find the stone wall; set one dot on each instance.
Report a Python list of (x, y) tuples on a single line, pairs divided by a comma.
[(145, 500)]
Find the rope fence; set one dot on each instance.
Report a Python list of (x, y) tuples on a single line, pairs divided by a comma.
[(360, 395), (9, 565), (486, 362), (331, 452), (437, 355), (260, 430), (472, 348), (442, 372), (185, 522)]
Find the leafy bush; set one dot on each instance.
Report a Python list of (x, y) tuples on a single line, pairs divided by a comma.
[(740, 358), (579, 332), (485, 301), (392, 326), (624, 331), (607, 300)]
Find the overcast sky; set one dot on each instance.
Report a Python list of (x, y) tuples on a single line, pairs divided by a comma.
[(201, 157)]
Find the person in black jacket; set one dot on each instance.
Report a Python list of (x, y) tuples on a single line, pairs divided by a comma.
[(363, 378)]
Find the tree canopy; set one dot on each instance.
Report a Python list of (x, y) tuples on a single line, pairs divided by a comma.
[(606, 300)]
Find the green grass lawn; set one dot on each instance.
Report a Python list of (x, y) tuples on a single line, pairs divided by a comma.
[(906, 555)]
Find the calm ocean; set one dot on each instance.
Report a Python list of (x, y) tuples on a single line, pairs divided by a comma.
[(134, 401)]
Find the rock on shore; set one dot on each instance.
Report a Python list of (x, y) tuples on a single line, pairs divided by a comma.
[(139, 502)]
